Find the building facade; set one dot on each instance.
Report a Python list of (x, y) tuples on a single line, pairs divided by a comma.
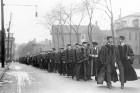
[(11, 46), (41, 46), (59, 35), (129, 27)]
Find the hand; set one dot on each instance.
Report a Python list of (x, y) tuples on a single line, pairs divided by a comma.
[(93, 55), (63, 61), (96, 55), (90, 55), (128, 57)]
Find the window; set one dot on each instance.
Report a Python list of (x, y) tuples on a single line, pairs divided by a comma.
[(136, 47), (125, 35), (129, 36), (123, 23), (118, 26), (136, 23), (136, 36)]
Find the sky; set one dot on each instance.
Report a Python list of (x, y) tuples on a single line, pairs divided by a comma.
[(26, 27)]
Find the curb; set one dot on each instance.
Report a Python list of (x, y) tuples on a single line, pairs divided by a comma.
[(2, 74)]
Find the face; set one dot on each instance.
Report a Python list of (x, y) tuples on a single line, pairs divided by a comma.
[(79, 46), (69, 47), (85, 45), (76, 46), (94, 45), (62, 50), (121, 41), (110, 40)]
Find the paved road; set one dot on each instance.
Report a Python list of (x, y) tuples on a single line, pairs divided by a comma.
[(27, 79)]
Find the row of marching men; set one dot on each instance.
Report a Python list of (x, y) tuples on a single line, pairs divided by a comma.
[(84, 61)]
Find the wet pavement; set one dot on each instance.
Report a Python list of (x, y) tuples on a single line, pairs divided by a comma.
[(21, 78)]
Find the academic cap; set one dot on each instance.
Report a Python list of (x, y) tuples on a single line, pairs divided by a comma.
[(77, 44), (108, 37), (68, 44), (94, 43), (84, 43), (122, 37), (53, 48)]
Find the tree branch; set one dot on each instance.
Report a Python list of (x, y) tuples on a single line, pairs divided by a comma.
[(105, 12)]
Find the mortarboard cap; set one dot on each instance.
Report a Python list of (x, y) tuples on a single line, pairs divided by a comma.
[(53, 48), (108, 37), (94, 43), (68, 44), (77, 44), (84, 43), (122, 37)]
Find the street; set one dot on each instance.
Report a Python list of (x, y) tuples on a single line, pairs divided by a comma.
[(27, 79)]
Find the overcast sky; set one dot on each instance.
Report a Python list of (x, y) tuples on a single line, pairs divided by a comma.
[(24, 23)]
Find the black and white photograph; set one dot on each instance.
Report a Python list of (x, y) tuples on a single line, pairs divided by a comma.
[(69, 46)]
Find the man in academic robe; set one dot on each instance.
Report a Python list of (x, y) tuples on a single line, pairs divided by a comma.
[(63, 61), (69, 60), (56, 62), (48, 60), (126, 56), (82, 59), (74, 64), (60, 61), (108, 57), (93, 59)]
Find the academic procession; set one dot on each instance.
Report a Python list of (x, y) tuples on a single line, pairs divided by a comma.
[(88, 62)]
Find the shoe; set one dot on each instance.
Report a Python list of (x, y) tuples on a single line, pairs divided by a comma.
[(122, 86), (85, 79), (109, 86), (90, 79)]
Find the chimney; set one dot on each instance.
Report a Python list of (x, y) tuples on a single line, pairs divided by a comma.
[(34, 39)]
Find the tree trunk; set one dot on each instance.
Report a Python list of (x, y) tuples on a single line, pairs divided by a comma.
[(112, 28), (58, 38), (77, 36)]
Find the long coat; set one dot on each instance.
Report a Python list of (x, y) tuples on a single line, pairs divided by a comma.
[(129, 72), (110, 66), (93, 60)]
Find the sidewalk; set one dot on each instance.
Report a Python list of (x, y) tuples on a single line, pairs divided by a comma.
[(2, 71)]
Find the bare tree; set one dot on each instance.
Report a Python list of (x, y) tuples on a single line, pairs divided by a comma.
[(54, 20), (90, 7), (107, 8), (61, 18), (75, 9)]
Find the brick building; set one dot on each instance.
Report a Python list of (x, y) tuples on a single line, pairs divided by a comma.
[(97, 35)]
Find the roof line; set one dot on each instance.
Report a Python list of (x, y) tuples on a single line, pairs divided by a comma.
[(127, 16)]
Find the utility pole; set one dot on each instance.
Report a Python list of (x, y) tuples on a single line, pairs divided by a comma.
[(2, 36), (11, 46), (9, 36)]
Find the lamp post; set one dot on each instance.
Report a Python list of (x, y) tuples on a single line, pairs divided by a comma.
[(8, 30), (2, 37), (11, 46), (3, 31)]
